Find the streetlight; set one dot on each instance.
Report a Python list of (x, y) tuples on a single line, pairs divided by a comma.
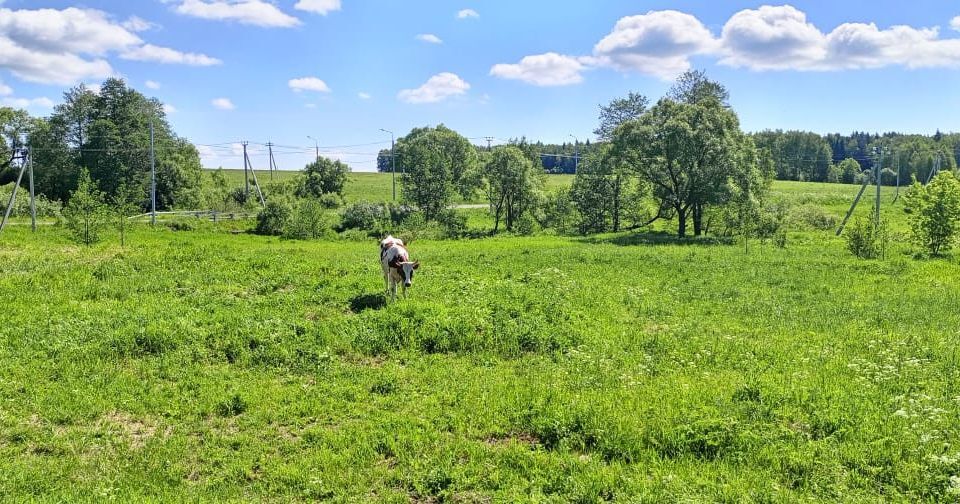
[(393, 162), (317, 144), (576, 153)]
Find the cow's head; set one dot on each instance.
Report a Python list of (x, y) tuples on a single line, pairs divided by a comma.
[(406, 270)]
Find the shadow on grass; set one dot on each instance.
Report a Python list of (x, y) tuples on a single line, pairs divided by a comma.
[(657, 238), (365, 302)]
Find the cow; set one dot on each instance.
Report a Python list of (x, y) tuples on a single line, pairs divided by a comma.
[(396, 264)]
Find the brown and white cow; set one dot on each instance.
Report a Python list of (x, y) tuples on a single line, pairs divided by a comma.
[(396, 264)]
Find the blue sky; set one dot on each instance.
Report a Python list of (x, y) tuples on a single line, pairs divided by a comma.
[(339, 70)]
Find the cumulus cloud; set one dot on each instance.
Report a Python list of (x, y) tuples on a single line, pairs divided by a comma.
[(467, 13), (321, 7), (251, 12), (363, 96), (223, 104), (436, 89), (955, 23), (429, 38), (5, 90), (550, 69), (169, 109), (308, 84), (658, 43), (661, 43), (152, 84), (66, 46)]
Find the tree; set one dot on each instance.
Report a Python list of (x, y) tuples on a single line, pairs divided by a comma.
[(124, 203), (693, 87), (687, 153), (14, 127), (849, 169), (323, 176), (512, 185), (438, 163), (934, 213), (619, 111), (85, 213)]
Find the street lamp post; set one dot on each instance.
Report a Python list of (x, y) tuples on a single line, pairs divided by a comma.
[(393, 162), (316, 143)]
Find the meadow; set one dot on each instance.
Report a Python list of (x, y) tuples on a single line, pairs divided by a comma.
[(210, 365)]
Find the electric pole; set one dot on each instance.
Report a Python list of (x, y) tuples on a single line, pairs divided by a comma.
[(393, 162), (576, 153), (488, 139), (153, 179), (876, 174), (33, 203), (316, 144), (246, 177), (270, 166)]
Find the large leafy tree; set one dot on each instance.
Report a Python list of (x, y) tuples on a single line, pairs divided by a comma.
[(323, 176), (688, 153), (513, 184), (438, 163), (934, 213), (14, 127)]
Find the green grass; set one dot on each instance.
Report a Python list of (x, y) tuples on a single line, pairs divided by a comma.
[(205, 365)]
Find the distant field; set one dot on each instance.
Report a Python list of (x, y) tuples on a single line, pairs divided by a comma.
[(372, 186)]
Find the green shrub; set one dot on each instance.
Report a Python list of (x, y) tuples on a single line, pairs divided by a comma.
[(307, 221), (273, 219), (363, 215), (86, 213), (866, 239), (934, 213), (809, 216)]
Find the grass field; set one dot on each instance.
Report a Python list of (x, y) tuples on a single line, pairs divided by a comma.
[(205, 365), (372, 186)]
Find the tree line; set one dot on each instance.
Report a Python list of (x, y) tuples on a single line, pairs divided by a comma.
[(106, 133)]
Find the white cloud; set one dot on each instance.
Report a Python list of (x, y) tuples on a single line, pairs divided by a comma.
[(311, 105), (150, 52), (550, 69), (94, 87), (363, 96), (5, 90), (251, 12), (223, 104), (429, 38), (68, 46), (658, 43), (955, 23), (24, 103), (661, 43), (467, 13), (138, 24), (437, 88), (321, 7), (308, 84), (169, 109), (771, 38), (152, 84)]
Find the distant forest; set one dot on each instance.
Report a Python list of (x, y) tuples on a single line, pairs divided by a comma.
[(803, 155)]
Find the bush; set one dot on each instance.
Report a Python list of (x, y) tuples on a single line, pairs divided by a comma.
[(866, 239), (810, 216), (330, 201), (273, 219), (526, 225), (454, 224), (86, 212), (323, 176), (307, 221), (934, 213), (362, 215), (21, 207)]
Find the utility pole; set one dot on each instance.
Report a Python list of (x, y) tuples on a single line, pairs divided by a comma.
[(153, 179), (316, 144), (33, 203), (270, 165), (876, 174), (576, 153), (393, 162), (488, 139), (246, 178)]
